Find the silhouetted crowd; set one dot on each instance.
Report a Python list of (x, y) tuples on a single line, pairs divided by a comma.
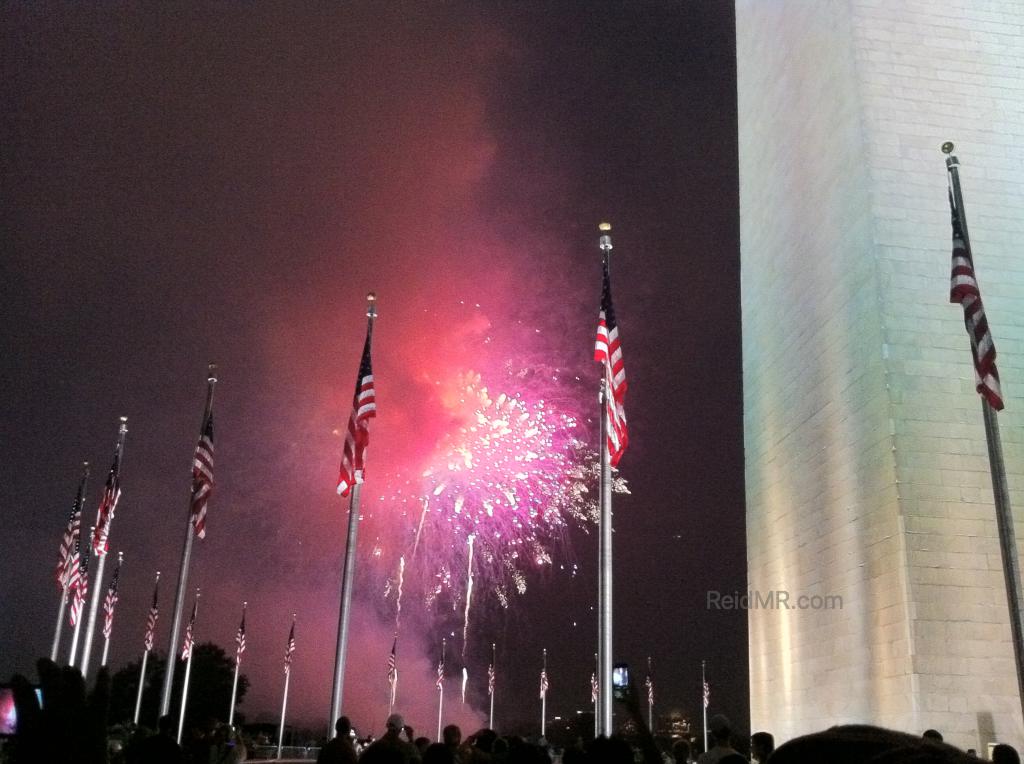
[(72, 728)]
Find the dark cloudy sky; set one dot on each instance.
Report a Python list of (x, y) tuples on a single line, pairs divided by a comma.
[(183, 184)]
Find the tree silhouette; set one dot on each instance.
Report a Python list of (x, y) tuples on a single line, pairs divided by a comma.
[(209, 688)]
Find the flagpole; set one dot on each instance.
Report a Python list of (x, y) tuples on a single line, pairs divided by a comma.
[(145, 659), (184, 695), (1000, 488), (142, 684), (605, 557), (284, 701), (544, 697), (393, 676), (595, 688), (188, 672), (349, 568), (440, 691), (106, 635), (79, 503), (101, 553), (186, 556), (83, 549), (704, 703), (234, 683), (493, 684), (650, 698), (60, 622)]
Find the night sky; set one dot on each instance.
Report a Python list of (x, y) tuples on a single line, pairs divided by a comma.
[(185, 185)]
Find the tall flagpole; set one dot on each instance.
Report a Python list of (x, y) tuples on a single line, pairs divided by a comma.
[(287, 680), (106, 630), (238, 661), (544, 695), (492, 683), (186, 556), (595, 692), (349, 569), (188, 670), (79, 503), (705, 699), (150, 624), (605, 556), (650, 697), (83, 550), (60, 623), (393, 675), (440, 690), (142, 685), (1000, 488), (101, 553)]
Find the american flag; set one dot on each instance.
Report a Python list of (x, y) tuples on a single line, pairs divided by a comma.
[(707, 694), (650, 690), (202, 477), (364, 407), (79, 583), (154, 613), (109, 601), (608, 350), (595, 688), (964, 290), (490, 679), (440, 674), (68, 557), (108, 503), (289, 649), (393, 665), (543, 682), (187, 645), (240, 638)]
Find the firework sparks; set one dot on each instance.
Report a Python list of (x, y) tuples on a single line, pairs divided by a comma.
[(494, 500), (469, 599), (398, 598)]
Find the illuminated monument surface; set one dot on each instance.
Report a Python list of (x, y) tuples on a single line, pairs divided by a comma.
[(866, 466)]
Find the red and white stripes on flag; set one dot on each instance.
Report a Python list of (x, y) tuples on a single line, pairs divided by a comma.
[(364, 408), (964, 290), (289, 649), (154, 614), (202, 477), (240, 638), (108, 503), (440, 674), (190, 636), (608, 350), (543, 682), (67, 557), (490, 679), (595, 688), (393, 665), (110, 601), (78, 584)]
